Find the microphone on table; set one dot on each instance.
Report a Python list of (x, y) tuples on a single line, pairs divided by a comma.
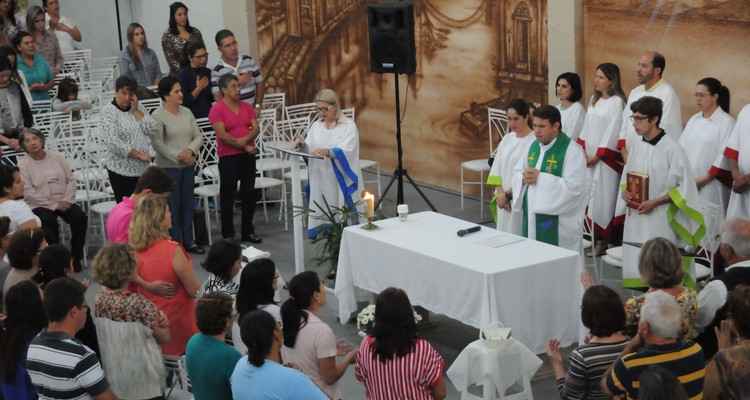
[(464, 232)]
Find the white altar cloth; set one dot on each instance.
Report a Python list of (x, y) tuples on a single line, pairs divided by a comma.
[(529, 286)]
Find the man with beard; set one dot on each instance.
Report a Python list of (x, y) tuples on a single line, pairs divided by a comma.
[(650, 70)]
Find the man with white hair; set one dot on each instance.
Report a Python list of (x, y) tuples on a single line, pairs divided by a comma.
[(657, 343), (735, 249)]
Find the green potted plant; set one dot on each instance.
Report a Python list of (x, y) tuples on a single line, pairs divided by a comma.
[(335, 219)]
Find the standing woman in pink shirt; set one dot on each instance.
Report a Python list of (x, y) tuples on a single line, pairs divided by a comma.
[(236, 128)]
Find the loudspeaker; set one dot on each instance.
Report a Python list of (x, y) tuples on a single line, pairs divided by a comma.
[(391, 32)]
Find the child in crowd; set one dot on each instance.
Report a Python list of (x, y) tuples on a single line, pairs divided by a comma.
[(67, 99)]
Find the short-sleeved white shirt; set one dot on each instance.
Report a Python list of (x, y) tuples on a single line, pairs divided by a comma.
[(314, 341), (19, 213)]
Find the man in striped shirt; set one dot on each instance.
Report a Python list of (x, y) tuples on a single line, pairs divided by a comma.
[(244, 67), (657, 343), (60, 367)]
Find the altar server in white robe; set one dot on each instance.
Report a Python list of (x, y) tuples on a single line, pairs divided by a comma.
[(551, 184), (650, 73), (572, 113), (599, 141), (738, 153), (704, 139), (671, 188), (513, 146), (336, 177)]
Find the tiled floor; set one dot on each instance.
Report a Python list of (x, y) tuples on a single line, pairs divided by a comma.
[(447, 335)]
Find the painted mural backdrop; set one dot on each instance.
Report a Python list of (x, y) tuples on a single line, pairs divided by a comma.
[(699, 38), (470, 53)]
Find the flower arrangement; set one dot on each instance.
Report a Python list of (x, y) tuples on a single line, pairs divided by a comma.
[(366, 319)]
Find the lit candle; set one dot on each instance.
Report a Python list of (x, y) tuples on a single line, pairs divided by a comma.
[(370, 202)]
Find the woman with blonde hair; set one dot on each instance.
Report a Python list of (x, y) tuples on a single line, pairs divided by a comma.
[(335, 138), (161, 259), (46, 41)]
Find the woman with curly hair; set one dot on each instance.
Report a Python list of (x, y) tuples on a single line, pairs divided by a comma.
[(660, 266), (114, 267), (161, 259)]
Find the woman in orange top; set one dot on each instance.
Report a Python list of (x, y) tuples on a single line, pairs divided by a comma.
[(162, 259)]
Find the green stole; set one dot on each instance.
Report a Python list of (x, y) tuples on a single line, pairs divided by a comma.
[(554, 159)]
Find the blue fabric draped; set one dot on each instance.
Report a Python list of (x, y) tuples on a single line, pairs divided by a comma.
[(348, 183)]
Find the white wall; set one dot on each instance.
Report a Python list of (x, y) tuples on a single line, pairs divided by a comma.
[(98, 23), (565, 30)]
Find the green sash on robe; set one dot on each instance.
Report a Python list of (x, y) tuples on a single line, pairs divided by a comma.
[(546, 225)]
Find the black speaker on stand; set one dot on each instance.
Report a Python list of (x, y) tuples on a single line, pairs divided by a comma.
[(392, 50)]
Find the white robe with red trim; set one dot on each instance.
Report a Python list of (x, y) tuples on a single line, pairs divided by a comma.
[(571, 119), (671, 120), (738, 148), (599, 137), (704, 141)]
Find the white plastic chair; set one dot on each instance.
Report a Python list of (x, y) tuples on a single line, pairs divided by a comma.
[(151, 105), (207, 176), (41, 106), (308, 110), (289, 130), (84, 56), (275, 102), (53, 124), (264, 182)]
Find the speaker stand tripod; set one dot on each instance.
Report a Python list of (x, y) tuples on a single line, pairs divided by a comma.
[(399, 173)]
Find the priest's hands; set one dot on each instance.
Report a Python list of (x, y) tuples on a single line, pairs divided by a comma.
[(530, 176), (502, 199)]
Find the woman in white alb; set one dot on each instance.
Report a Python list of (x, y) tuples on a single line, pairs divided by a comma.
[(599, 141), (513, 146), (572, 113), (704, 139), (336, 177)]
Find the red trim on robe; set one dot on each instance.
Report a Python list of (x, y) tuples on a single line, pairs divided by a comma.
[(620, 144), (732, 153), (722, 175), (615, 226), (612, 158)]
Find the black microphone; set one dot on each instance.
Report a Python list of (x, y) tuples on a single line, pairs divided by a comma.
[(464, 232)]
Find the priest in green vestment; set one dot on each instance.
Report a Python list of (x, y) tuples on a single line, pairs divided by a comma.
[(553, 185)]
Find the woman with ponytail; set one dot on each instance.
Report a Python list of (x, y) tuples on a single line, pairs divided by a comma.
[(259, 374), (704, 140), (309, 343)]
